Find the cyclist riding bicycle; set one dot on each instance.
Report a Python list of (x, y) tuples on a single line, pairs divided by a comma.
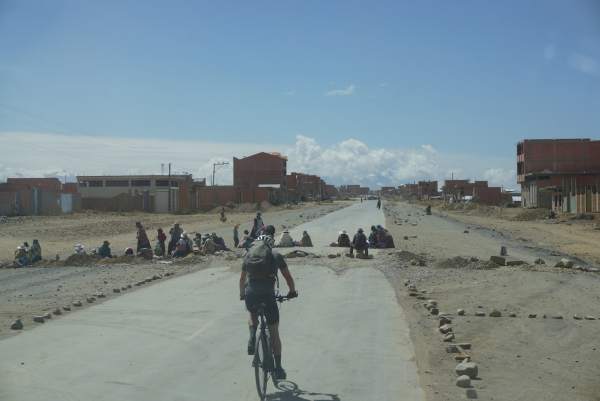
[(257, 286)]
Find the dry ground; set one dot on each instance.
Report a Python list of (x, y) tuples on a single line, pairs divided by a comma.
[(576, 237), (519, 358)]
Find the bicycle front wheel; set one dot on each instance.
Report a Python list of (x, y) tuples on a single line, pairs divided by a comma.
[(261, 365)]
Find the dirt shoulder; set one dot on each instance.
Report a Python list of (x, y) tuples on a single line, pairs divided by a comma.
[(565, 234), (46, 287), (519, 358)]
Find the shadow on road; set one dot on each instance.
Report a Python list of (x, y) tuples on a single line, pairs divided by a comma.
[(289, 391)]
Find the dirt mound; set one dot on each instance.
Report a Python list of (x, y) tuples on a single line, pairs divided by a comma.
[(459, 262), (80, 260), (531, 214), (406, 256)]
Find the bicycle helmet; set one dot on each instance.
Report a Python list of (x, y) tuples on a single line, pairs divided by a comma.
[(266, 239)]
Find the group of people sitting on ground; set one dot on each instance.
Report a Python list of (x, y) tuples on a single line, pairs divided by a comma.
[(26, 254), (378, 238), (286, 241)]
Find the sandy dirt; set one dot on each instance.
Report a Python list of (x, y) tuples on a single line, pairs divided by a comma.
[(40, 289), (519, 358), (566, 234)]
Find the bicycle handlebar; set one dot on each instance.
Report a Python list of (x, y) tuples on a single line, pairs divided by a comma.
[(283, 298)]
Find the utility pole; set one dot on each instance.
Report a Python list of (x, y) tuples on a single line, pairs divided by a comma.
[(169, 207), (214, 169)]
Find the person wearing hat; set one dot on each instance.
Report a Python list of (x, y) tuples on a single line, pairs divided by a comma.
[(343, 239), (360, 243), (21, 258), (182, 248), (285, 240), (104, 251)]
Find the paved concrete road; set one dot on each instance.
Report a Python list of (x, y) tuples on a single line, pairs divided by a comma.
[(345, 338)]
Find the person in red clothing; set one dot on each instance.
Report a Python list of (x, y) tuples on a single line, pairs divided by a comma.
[(161, 237)]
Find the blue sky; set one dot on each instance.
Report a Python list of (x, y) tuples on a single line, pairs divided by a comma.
[(469, 78)]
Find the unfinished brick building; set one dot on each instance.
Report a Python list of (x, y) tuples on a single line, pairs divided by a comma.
[(561, 174), (258, 170)]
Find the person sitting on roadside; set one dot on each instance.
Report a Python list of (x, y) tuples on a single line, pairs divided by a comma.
[(306, 241), (208, 246), (182, 248), (35, 252), (104, 251), (373, 237), (219, 242), (129, 251), (21, 258), (285, 240), (79, 249), (198, 241), (388, 240), (360, 243), (343, 240)]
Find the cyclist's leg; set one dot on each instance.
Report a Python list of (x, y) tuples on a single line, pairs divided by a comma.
[(272, 315), (251, 302)]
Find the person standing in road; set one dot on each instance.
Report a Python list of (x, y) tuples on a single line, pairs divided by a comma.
[(378, 203)]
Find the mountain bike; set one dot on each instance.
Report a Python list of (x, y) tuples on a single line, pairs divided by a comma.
[(263, 361)]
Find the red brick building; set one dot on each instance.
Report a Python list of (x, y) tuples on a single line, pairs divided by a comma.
[(36, 196), (305, 187), (562, 174), (260, 169)]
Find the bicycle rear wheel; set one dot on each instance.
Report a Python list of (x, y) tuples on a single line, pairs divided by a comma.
[(262, 362)]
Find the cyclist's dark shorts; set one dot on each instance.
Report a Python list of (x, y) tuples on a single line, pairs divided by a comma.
[(254, 298)]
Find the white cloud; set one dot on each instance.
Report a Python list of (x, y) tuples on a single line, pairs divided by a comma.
[(550, 52), (383, 85), (290, 93), (584, 64), (352, 161), (500, 177), (348, 91), (35, 155), (349, 161)]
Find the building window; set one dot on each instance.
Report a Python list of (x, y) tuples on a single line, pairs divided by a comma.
[(95, 184), (140, 183), (165, 183), (117, 183)]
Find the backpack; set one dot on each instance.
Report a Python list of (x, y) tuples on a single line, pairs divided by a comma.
[(259, 261)]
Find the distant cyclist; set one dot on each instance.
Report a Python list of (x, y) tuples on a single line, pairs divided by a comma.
[(257, 285)]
